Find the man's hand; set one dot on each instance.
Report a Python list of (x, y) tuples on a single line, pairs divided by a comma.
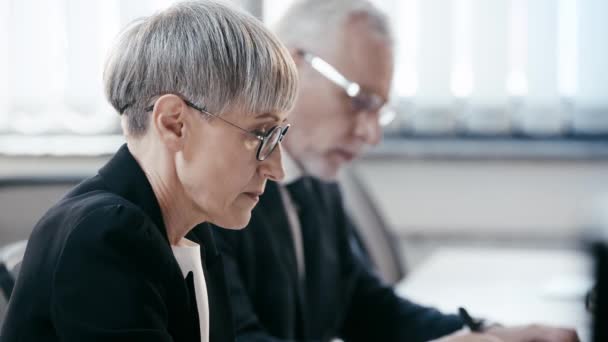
[(533, 333)]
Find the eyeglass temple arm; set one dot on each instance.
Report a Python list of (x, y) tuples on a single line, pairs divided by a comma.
[(325, 69), (204, 110), (260, 138)]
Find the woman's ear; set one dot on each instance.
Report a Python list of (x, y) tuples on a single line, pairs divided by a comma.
[(169, 120)]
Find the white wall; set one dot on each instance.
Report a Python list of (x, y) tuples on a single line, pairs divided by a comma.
[(419, 197), (485, 198)]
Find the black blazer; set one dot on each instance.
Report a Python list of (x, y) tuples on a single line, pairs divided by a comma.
[(341, 296), (99, 267)]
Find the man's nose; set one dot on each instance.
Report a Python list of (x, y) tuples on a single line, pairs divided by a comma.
[(368, 127)]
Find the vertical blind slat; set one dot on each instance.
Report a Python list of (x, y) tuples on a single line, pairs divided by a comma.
[(52, 52), (433, 66), (593, 54)]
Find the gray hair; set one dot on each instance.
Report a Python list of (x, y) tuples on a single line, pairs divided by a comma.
[(214, 55), (317, 23)]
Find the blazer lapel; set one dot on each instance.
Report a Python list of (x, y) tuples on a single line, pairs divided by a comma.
[(318, 216), (273, 212), (220, 321)]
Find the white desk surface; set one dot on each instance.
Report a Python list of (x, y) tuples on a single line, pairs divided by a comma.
[(509, 286)]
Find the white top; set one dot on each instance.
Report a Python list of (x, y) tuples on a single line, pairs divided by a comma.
[(188, 256)]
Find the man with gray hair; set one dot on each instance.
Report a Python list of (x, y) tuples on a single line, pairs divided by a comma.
[(293, 274)]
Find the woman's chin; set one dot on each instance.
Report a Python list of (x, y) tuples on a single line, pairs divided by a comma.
[(237, 221)]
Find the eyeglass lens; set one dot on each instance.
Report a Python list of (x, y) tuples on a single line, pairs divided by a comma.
[(270, 142)]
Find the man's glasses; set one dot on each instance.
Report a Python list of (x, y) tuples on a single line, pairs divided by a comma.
[(267, 143), (361, 100)]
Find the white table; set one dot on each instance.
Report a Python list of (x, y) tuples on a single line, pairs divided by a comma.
[(510, 286)]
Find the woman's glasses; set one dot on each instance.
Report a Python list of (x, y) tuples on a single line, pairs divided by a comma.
[(267, 142)]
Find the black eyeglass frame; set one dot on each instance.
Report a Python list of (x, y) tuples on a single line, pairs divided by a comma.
[(262, 139)]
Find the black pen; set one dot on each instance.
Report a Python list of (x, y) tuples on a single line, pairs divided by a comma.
[(473, 325)]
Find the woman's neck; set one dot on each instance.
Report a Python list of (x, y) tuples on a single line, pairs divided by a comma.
[(176, 211), (179, 213)]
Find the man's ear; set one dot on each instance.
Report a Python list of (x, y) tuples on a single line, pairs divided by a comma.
[(169, 120)]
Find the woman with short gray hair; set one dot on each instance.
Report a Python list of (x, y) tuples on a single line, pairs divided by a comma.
[(203, 90)]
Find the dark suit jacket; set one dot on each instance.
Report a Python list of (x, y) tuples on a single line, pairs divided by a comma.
[(341, 297), (99, 267)]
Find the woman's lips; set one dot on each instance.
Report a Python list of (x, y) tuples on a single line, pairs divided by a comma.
[(254, 196)]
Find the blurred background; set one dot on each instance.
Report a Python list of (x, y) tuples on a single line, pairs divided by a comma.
[(502, 108), (500, 140)]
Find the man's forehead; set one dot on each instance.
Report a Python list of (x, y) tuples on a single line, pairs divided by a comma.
[(366, 58)]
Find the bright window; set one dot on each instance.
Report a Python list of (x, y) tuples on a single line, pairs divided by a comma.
[(51, 63), (499, 66), (494, 67)]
